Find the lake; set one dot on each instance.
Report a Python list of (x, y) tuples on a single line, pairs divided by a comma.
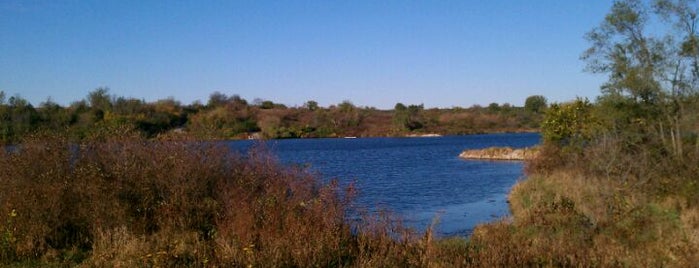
[(417, 178)]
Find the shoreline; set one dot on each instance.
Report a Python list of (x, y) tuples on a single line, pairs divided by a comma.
[(252, 136)]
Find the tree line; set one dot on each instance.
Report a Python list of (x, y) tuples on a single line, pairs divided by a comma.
[(232, 117)]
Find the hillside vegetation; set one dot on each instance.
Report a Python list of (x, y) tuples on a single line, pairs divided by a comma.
[(231, 117)]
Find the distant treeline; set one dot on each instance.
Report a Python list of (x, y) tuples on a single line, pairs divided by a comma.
[(232, 117)]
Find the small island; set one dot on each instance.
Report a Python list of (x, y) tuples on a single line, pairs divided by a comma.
[(499, 153)]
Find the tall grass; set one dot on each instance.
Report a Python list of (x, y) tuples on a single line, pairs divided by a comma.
[(606, 205), (126, 201)]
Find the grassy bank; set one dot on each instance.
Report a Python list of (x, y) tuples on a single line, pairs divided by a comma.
[(565, 219)]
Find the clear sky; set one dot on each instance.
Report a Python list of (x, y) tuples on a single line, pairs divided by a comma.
[(373, 53)]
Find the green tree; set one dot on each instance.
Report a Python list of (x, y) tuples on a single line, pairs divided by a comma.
[(408, 117), (17, 118), (399, 107), (160, 117), (266, 105), (494, 107), (311, 105), (400, 116), (128, 107), (53, 116), (535, 104), (569, 124), (347, 115), (656, 71), (100, 103), (100, 99), (414, 116), (217, 99)]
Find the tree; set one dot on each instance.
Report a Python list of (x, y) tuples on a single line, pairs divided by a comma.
[(535, 104), (128, 107), (658, 74), (100, 103), (2, 97), (400, 107), (100, 99), (414, 118), (267, 104), (408, 117), (217, 99), (346, 115), (493, 107), (400, 116), (569, 124), (52, 115), (16, 119), (311, 105)]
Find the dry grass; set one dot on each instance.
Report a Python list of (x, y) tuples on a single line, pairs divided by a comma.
[(125, 202), (566, 219)]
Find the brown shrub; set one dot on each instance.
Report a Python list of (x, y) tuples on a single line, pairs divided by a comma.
[(158, 195), (126, 201)]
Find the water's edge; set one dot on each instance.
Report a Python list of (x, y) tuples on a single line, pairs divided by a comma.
[(417, 178)]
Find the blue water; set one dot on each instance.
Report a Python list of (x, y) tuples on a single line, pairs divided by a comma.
[(417, 178)]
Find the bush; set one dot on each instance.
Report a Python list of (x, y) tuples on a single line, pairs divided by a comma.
[(127, 201), (568, 124), (174, 203)]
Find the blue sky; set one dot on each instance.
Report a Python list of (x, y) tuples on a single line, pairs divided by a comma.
[(373, 53)]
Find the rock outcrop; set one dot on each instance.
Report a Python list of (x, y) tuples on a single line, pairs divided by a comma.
[(499, 153)]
